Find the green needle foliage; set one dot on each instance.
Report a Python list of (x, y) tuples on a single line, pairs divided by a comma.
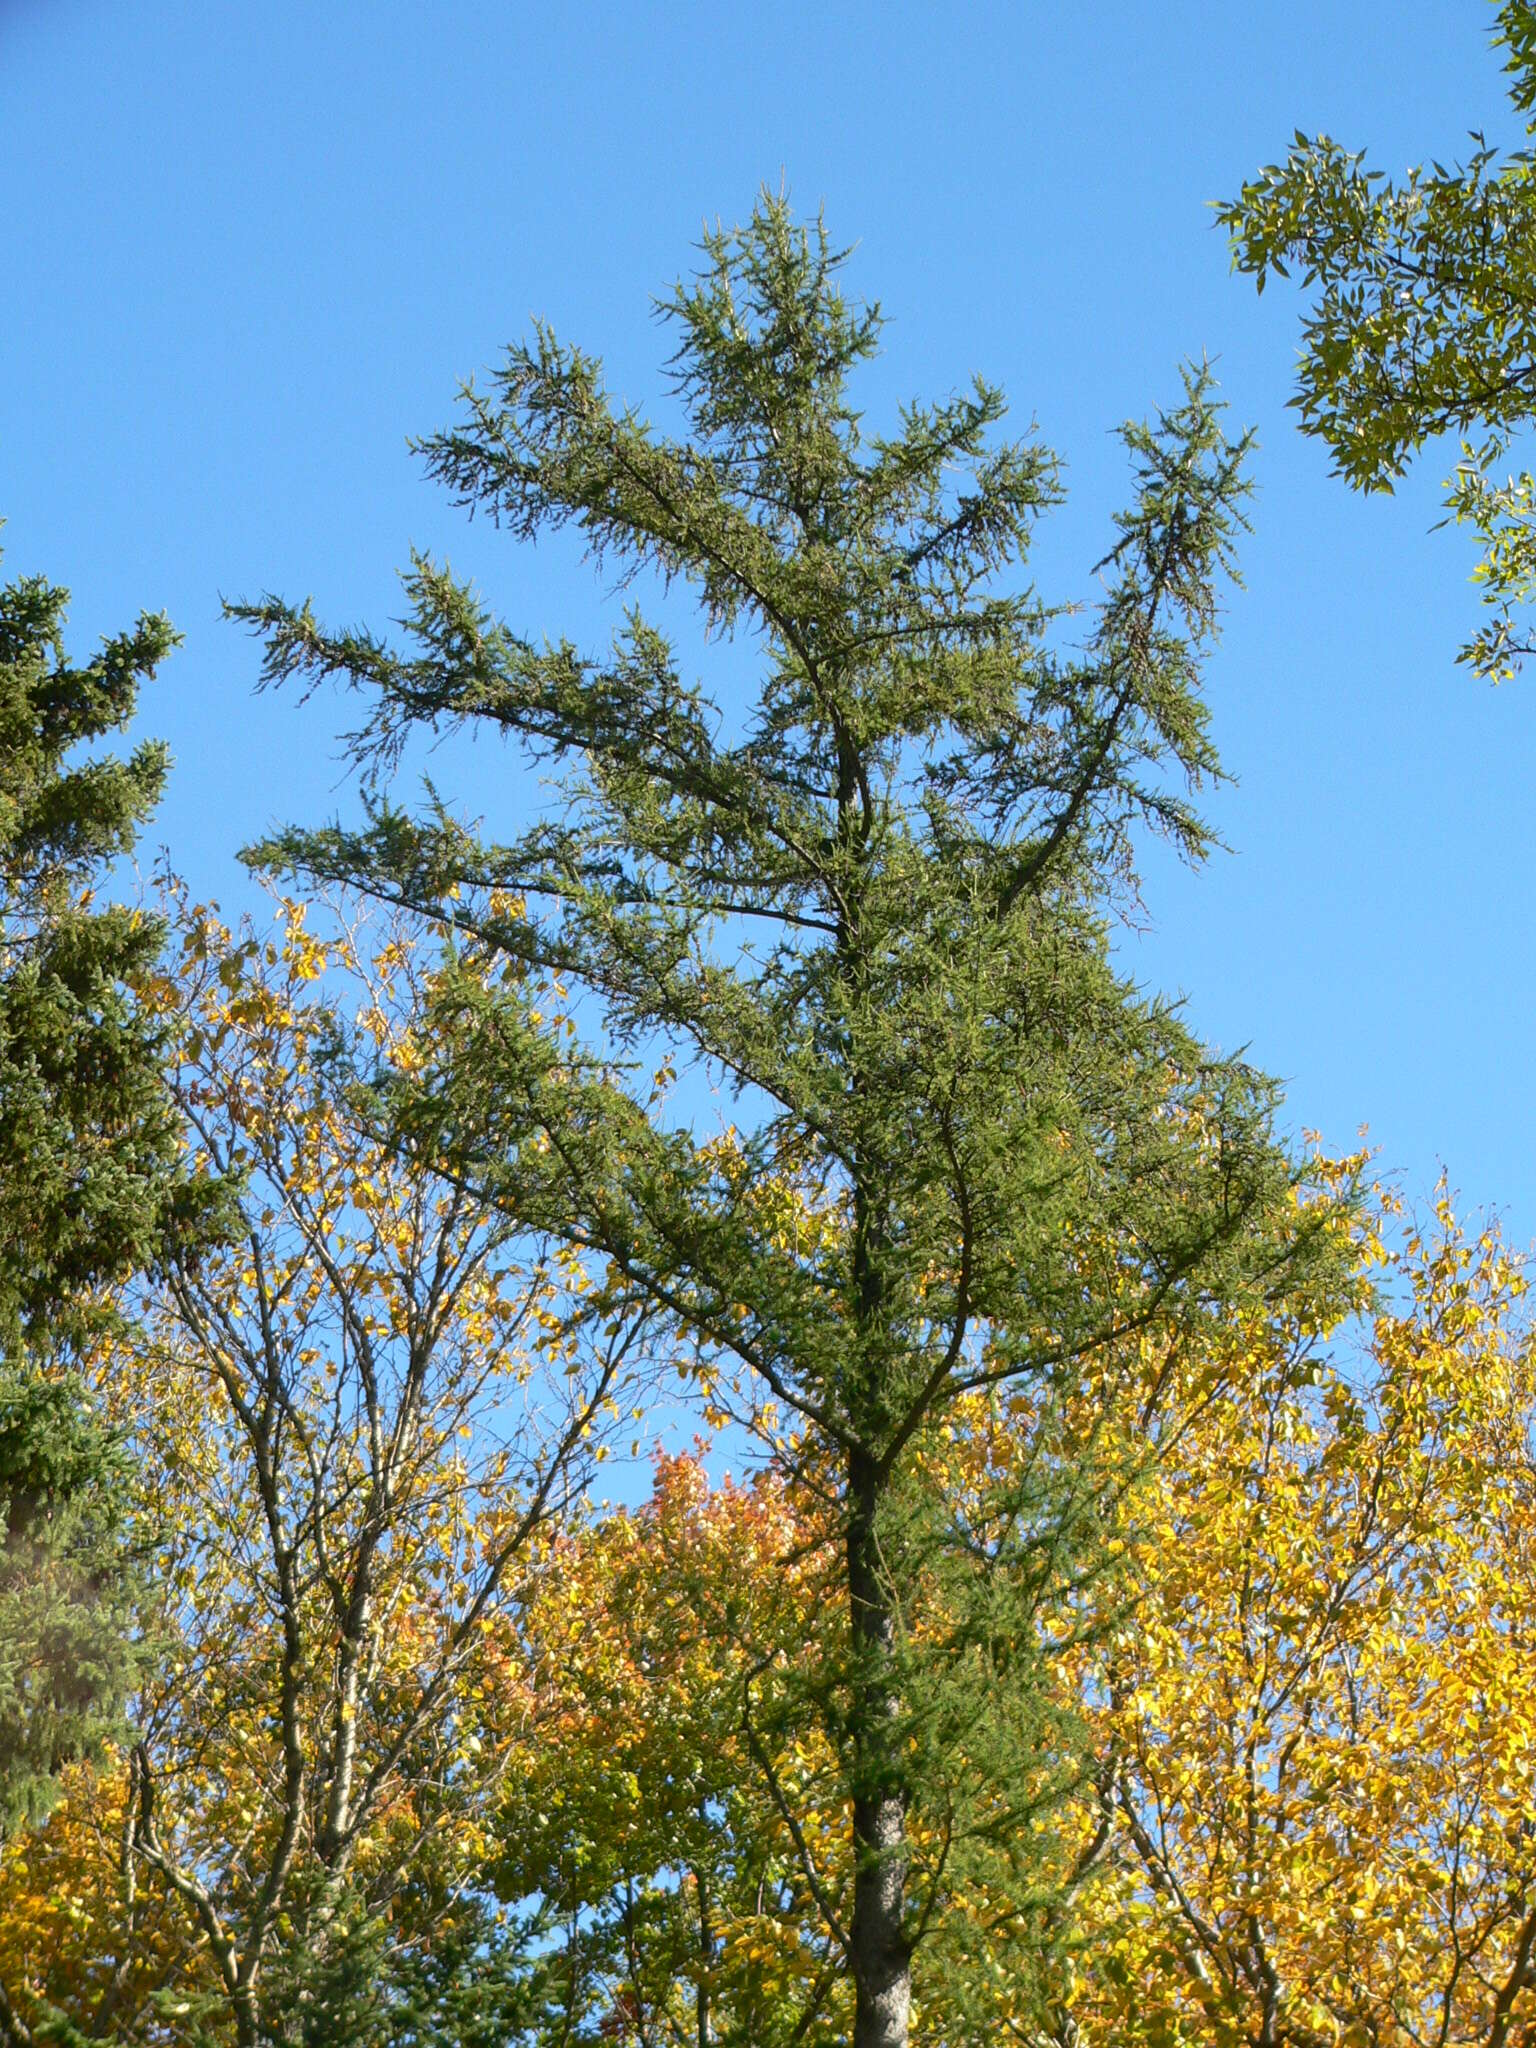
[(874, 900), (92, 1184), (1422, 322), (65, 1589)]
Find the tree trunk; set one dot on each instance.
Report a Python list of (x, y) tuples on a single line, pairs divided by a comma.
[(882, 1964)]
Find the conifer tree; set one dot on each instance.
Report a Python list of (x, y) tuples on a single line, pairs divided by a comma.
[(92, 1184), (65, 1588), (874, 900)]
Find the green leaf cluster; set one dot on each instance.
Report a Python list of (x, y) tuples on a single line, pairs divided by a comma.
[(1421, 323)]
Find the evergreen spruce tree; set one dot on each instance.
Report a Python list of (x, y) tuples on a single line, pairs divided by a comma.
[(875, 901), (92, 1186), (66, 1588)]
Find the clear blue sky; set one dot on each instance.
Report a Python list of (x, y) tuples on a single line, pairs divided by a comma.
[(249, 248)]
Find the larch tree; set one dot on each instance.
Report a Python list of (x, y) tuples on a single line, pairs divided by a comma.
[(873, 898)]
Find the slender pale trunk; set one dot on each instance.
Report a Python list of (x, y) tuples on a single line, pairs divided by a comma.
[(879, 1953), (882, 1963), (706, 2032), (14, 2031)]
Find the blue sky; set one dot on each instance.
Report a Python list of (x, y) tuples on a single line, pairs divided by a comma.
[(249, 249)]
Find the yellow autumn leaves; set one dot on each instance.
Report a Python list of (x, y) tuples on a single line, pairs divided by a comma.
[(1320, 1742), (341, 1494)]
